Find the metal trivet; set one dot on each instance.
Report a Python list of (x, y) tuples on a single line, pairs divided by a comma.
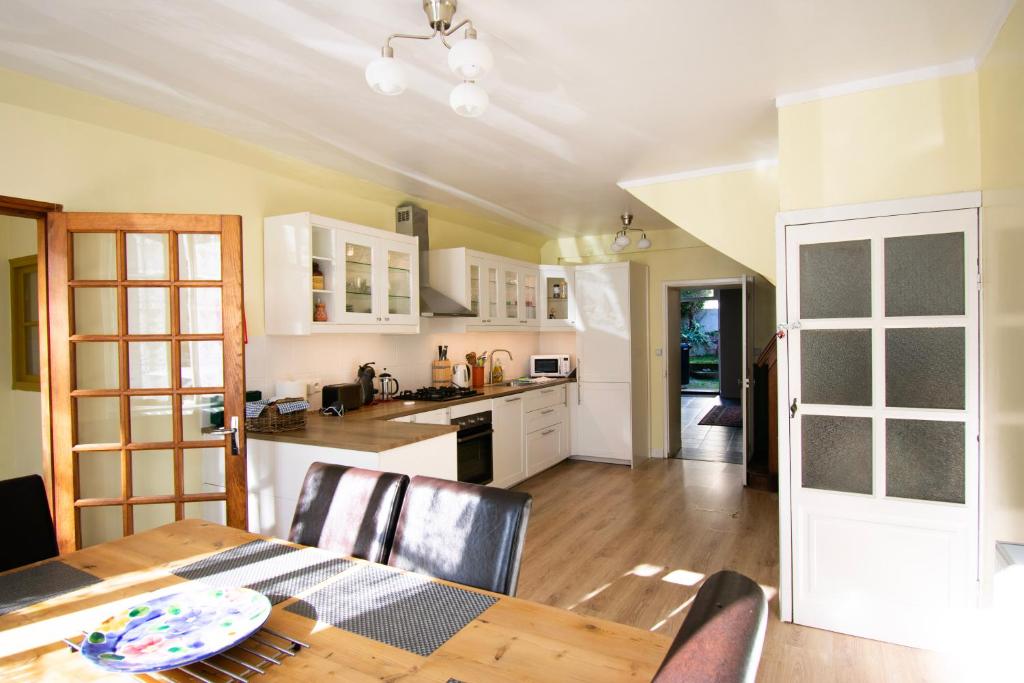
[(253, 656)]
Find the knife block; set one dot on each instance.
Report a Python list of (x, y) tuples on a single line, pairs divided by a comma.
[(440, 373)]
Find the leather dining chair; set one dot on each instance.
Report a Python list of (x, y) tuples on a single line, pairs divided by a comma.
[(721, 637), (28, 527), (464, 533), (348, 510)]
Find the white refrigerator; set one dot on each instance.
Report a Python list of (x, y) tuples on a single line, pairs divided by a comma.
[(611, 403)]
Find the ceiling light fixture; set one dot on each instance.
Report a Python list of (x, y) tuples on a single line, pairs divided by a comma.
[(621, 240), (469, 59)]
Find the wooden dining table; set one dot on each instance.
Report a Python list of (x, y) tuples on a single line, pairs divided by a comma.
[(512, 640)]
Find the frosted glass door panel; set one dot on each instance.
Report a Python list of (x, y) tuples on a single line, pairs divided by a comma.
[(835, 280), (837, 453), (924, 368), (924, 275), (836, 367), (925, 460)]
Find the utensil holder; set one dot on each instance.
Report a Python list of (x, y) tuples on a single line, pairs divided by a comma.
[(440, 373), (478, 376)]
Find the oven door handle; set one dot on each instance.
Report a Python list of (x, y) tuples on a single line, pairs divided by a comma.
[(475, 436)]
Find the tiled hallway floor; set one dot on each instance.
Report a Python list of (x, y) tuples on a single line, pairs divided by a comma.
[(703, 442)]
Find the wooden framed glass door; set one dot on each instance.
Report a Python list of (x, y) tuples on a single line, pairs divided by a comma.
[(147, 372)]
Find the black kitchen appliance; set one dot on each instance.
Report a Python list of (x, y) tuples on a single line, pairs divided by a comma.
[(348, 395), (475, 448), (365, 378), (437, 394)]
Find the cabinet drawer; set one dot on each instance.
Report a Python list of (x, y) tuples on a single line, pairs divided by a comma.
[(536, 399), (543, 449), (545, 417)]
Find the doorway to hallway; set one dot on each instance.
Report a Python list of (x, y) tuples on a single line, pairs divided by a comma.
[(712, 429)]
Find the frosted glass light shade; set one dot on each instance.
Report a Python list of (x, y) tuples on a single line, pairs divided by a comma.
[(622, 240), (470, 59), (616, 247), (469, 100), (386, 76), (643, 243)]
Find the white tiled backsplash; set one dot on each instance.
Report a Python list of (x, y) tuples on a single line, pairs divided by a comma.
[(332, 358)]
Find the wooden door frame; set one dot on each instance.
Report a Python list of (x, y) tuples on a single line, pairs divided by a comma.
[(30, 208), (895, 207)]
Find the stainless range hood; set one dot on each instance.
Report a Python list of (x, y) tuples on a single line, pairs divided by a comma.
[(412, 220)]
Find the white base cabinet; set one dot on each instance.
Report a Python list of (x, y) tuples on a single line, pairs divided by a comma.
[(508, 445)]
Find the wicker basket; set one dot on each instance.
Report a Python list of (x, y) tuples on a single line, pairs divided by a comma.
[(271, 420)]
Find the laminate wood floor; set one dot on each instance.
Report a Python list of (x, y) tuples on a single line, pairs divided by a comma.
[(633, 547)]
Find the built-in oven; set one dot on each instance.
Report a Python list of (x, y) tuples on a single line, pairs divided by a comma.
[(476, 450)]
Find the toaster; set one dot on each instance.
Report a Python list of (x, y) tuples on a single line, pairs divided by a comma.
[(348, 394)]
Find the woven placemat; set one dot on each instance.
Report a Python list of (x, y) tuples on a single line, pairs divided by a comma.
[(26, 587), (278, 571), (407, 611)]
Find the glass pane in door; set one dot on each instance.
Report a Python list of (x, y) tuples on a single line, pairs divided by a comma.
[(399, 282), (358, 278), (530, 295), (94, 256), (474, 289), (835, 280), (146, 256), (198, 256), (924, 275), (925, 460), (149, 310), (511, 294)]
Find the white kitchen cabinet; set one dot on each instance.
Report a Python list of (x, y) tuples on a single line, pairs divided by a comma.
[(503, 293), (371, 276), (543, 448), (557, 298), (508, 441)]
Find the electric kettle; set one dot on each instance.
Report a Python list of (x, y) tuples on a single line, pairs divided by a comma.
[(460, 375), (388, 386), (365, 379)]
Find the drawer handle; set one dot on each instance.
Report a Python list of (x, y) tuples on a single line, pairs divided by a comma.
[(547, 412), (510, 400), (548, 431), (546, 391)]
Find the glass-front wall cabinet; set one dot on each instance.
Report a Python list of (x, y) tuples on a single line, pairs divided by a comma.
[(358, 265), (558, 297), (511, 295), (401, 287), (530, 296)]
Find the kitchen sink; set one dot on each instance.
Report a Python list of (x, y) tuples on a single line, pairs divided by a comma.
[(515, 383)]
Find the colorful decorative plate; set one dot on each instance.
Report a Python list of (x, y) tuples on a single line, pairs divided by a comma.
[(174, 630)]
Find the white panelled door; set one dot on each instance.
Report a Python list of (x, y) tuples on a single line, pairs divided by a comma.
[(883, 391)]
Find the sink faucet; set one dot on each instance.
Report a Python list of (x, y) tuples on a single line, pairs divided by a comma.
[(490, 359)]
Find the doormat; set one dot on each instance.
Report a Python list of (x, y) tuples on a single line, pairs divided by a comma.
[(723, 416)]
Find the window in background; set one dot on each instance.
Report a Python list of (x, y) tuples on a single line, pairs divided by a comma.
[(25, 323)]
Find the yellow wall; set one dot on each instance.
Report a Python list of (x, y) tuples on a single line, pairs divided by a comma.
[(892, 143), (731, 212), (93, 154), (1002, 175), (20, 411), (674, 256)]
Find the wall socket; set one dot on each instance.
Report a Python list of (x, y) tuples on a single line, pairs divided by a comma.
[(313, 388)]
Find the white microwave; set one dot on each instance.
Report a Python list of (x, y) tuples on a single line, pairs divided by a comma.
[(551, 365)]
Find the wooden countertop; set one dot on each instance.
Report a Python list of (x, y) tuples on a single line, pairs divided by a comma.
[(368, 429)]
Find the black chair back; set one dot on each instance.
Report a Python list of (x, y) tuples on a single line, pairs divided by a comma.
[(349, 510), (28, 527), (463, 533), (721, 638)]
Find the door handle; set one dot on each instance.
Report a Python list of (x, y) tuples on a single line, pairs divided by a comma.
[(547, 431), (792, 410), (510, 400), (231, 431), (547, 412)]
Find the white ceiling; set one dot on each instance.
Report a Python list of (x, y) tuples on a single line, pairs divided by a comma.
[(583, 94)]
